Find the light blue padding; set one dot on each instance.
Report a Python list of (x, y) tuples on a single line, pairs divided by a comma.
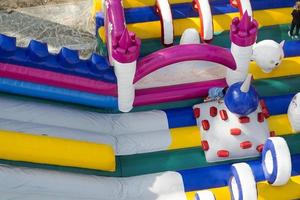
[(215, 93), (55, 93)]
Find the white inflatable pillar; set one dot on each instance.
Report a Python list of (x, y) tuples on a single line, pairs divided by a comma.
[(190, 36), (125, 54), (243, 33), (245, 5), (206, 28), (294, 113), (167, 30), (242, 56), (126, 92)]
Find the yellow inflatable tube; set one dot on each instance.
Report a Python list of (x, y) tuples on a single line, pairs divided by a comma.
[(185, 137), (56, 151), (289, 66), (147, 30), (265, 191)]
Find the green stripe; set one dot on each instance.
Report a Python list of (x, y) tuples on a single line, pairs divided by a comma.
[(180, 159), (147, 163), (265, 87)]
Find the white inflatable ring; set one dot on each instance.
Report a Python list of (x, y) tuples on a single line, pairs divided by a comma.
[(204, 195), (242, 182), (276, 161)]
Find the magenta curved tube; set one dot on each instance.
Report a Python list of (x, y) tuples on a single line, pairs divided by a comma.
[(175, 92), (180, 53), (116, 17), (57, 79)]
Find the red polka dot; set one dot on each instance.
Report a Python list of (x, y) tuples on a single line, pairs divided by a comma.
[(205, 124), (244, 120), (213, 111), (260, 147), (204, 145), (260, 117), (223, 115), (223, 153), (262, 104), (235, 131), (246, 145), (266, 112), (196, 112)]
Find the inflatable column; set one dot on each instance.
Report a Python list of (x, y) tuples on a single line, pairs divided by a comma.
[(294, 113), (243, 36), (125, 52)]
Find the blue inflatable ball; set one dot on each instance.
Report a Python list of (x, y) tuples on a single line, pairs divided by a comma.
[(241, 103)]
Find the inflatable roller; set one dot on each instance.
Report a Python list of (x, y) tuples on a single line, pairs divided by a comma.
[(55, 151)]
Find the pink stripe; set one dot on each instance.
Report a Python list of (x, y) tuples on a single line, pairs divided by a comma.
[(57, 79), (176, 92)]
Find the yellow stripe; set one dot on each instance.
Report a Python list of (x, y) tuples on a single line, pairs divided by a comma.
[(102, 35), (280, 124), (96, 7), (55, 151), (265, 191), (185, 137), (190, 136), (146, 30), (289, 67)]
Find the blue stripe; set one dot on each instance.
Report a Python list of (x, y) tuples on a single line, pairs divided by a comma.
[(218, 175), (181, 117), (54, 93), (185, 10)]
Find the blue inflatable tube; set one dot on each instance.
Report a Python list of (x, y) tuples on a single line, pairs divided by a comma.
[(292, 48), (274, 102), (197, 179), (185, 10), (54, 93), (181, 117)]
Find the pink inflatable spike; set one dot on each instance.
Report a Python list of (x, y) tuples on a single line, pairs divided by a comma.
[(245, 23), (125, 40)]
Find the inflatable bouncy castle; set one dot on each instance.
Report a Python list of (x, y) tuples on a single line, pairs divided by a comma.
[(184, 100)]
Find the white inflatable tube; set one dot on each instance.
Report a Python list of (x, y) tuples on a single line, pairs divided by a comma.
[(35, 184), (206, 28), (276, 161), (68, 117), (242, 182), (164, 10)]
